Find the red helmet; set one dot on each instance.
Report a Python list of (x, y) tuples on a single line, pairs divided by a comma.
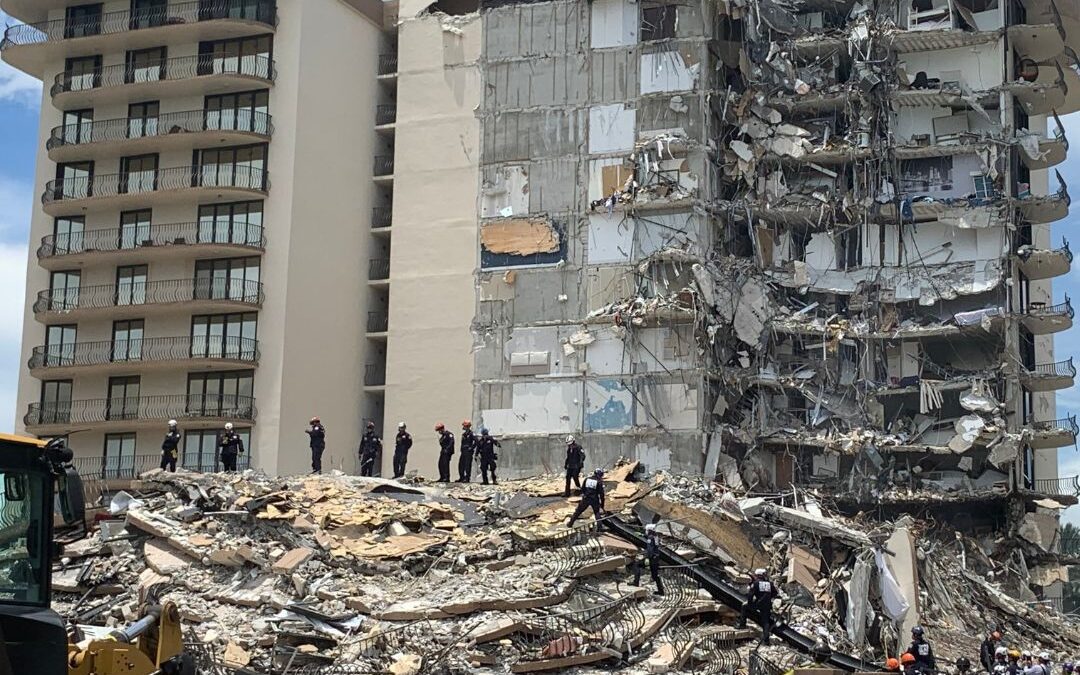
[(465, 424), (907, 658), (439, 426)]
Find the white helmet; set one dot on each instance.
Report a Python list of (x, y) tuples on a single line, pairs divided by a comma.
[(1001, 651), (760, 572), (651, 527), (172, 423), (1045, 656), (400, 425), (569, 439), (228, 426)]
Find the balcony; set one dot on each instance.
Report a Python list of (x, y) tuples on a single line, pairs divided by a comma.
[(118, 245), (381, 217), (1042, 97), (30, 47), (140, 299), (1049, 376), (1045, 263), (384, 168), (375, 375), (1042, 319), (172, 78), (1053, 433), (379, 269), (1059, 487), (144, 354), (385, 115), (1048, 209), (388, 65), (145, 189), (377, 322), (205, 411), (126, 469), (170, 131), (1049, 152)]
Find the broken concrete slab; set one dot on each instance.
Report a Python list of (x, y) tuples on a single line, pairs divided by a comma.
[(163, 559)]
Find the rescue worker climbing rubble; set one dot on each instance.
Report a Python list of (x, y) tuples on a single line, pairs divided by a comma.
[(446, 451), (921, 650), (988, 648), (592, 495), (468, 445), (402, 443), (760, 594), (230, 445), (485, 446), (317, 441), (575, 460), (169, 448), (370, 447), (652, 556)]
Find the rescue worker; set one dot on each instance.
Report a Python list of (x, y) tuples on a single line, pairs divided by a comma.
[(988, 648), (1014, 662), (169, 451), (370, 447), (402, 443), (575, 460), (1043, 664), (921, 650), (892, 665), (230, 445), (759, 599), (1000, 666), (446, 451), (907, 663), (963, 665), (652, 556), (468, 445), (486, 447), (317, 440), (592, 495)]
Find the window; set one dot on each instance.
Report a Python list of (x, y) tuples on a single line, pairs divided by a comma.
[(224, 335), (123, 401), (200, 449), (82, 20), (147, 13), (236, 223), (127, 337), (119, 456), (55, 401), (145, 65), (74, 180), (243, 166), (68, 234), (258, 10), (138, 174), (82, 73), (135, 228), (227, 279), (23, 549), (658, 23), (143, 119), (247, 56), (78, 127), (60, 345), (227, 394), (64, 290), (131, 285), (984, 186), (244, 111)]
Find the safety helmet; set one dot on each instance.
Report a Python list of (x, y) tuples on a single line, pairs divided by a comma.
[(172, 423), (1014, 654), (892, 664), (760, 572), (1044, 656), (370, 425), (821, 651), (1025, 654), (569, 440), (315, 420), (465, 424), (400, 425), (439, 426), (483, 431), (963, 664), (917, 631), (228, 426), (651, 527), (907, 658), (1001, 651)]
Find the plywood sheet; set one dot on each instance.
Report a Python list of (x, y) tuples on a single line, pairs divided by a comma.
[(519, 236)]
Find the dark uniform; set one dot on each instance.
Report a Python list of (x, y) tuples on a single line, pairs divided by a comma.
[(652, 556), (986, 653), (486, 445), (465, 461), (370, 445), (446, 451), (317, 441), (231, 445), (575, 459), (592, 495), (169, 452), (402, 443), (923, 653), (759, 598)]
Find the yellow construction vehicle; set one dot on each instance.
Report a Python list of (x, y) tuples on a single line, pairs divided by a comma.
[(153, 644)]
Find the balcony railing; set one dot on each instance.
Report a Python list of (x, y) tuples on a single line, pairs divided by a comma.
[(149, 293), (384, 165), (238, 177), (378, 269), (141, 408), (111, 23), (133, 466), (381, 216), (387, 64), (385, 114), (1069, 486), (130, 128), (1052, 310), (377, 322), (144, 349), (143, 236), (1064, 425), (167, 70), (1058, 369), (374, 374)]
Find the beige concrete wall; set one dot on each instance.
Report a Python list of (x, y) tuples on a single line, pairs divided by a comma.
[(434, 255)]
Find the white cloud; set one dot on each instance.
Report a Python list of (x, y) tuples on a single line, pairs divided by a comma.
[(13, 281), (16, 208), (16, 85)]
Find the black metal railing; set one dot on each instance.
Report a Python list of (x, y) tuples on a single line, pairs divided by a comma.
[(234, 176), (141, 408), (167, 70), (148, 236), (1057, 369), (111, 23), (169, 291), (1064, 425), (145, 349), (384, 165), (374, 374), (167, 124), (1068, 486), (385, 113), (388, 63), (381, 216), (377, 322), (378, 269), (1051, 310), (133, 466)]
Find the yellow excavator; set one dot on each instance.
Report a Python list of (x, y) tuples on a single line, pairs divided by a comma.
[(35, 476)]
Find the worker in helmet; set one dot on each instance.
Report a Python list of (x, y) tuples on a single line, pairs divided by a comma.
[(592, 495), (988, 648), (921, 650), (759, 598), (1041, 666), (370, 448), (402, 443), (575, 460), (465, 459), (446, 451), (963, 665), (170, 448), (230, 445), (485, 446), (317, 441), (1000, 666), (1015, 668), (892, 665), (907, 663), (652, 556)]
